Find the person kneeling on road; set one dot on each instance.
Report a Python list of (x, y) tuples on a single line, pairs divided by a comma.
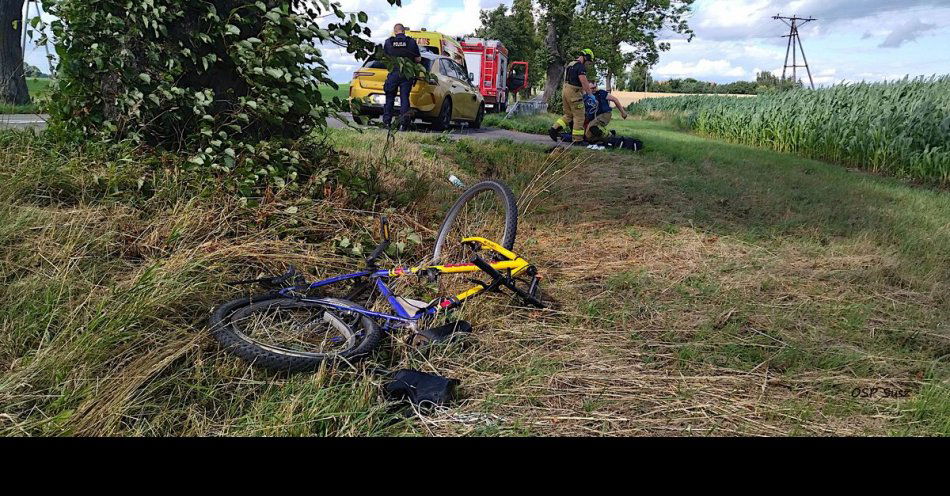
[(597, 128), (399, 46), (572, 99)]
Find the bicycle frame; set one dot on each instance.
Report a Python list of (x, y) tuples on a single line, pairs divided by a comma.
[(513, 265)]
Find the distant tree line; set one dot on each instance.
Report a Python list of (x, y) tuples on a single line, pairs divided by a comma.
[(31, 71), (548, 33), (637, 78)]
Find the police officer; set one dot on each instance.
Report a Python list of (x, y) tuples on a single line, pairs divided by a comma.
[(399, 45), (572, 98)]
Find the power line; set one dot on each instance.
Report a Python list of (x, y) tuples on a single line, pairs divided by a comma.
[(38, 12), (794, 46)]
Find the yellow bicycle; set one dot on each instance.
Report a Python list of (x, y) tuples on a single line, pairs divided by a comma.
[(299, 325)]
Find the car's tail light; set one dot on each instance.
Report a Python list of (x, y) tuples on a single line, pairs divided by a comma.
[(361, 73)]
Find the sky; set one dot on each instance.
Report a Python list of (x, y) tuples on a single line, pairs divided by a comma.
[(852, 40)]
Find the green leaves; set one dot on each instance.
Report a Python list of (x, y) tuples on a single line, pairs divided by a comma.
[(233, 92), (899, 128)]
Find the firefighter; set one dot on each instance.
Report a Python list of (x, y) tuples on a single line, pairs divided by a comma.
[(400, 46), (572, 99), (597, 128)]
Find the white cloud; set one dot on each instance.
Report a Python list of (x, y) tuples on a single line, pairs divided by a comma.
[(909, 31), (845, 37), (734, 38), (745, 19), (701, 68)]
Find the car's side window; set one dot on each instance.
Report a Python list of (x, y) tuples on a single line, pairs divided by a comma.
[(452, 69), (446, 68), (462, 74)]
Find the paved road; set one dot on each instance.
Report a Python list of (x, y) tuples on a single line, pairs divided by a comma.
[(37, 121), (20, 121), (479, 134)]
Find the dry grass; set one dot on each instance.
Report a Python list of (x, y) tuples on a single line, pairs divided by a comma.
[(667, 324), (628, 97)]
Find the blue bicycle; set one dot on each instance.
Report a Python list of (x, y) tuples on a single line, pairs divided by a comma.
[(299, 325)]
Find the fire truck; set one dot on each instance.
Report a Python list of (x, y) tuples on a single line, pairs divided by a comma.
[(495, 76)]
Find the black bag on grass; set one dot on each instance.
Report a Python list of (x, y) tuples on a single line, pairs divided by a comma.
[(624, 143), (420, 388)]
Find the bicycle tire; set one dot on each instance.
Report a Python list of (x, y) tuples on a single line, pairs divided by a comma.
[(224, 330), (511, 214)]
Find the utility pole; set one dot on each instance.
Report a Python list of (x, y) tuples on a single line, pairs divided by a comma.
[(794, 46), (26, 20), (37, 12)]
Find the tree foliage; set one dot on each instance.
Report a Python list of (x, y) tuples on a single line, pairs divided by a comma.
[(767, 82), (625, 32), (554, 29), (30, 70), (515, 29), (232, 83), (694, 86), (620, 32)]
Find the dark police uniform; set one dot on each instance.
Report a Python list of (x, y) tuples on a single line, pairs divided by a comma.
[(399, 45)]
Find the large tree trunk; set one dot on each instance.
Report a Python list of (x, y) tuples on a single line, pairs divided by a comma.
[(222, 76), (12, 79), (556, 65)]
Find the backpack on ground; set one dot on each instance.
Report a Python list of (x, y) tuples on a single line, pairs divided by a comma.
[(624, 143)]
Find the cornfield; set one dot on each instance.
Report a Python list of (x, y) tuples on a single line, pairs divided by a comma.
[(901, 128)]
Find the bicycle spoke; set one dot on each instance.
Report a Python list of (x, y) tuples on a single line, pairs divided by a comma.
[(482, 216), (307, 329)]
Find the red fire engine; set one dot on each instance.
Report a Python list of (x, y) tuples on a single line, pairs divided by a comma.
[(495, 76)]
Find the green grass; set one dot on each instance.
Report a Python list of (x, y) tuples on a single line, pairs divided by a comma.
[(897, 128), (705, 288), (38, 88), (342, 92), (535, 124)]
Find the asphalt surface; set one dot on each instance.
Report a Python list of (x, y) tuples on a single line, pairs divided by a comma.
[(464, 131), (22, 121), (38, 121)]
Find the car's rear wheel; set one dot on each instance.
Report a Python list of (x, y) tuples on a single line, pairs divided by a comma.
[(444, 120), (477, 123)]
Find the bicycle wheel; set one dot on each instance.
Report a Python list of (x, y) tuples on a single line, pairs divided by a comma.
[(281, 333), (488, 210)]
